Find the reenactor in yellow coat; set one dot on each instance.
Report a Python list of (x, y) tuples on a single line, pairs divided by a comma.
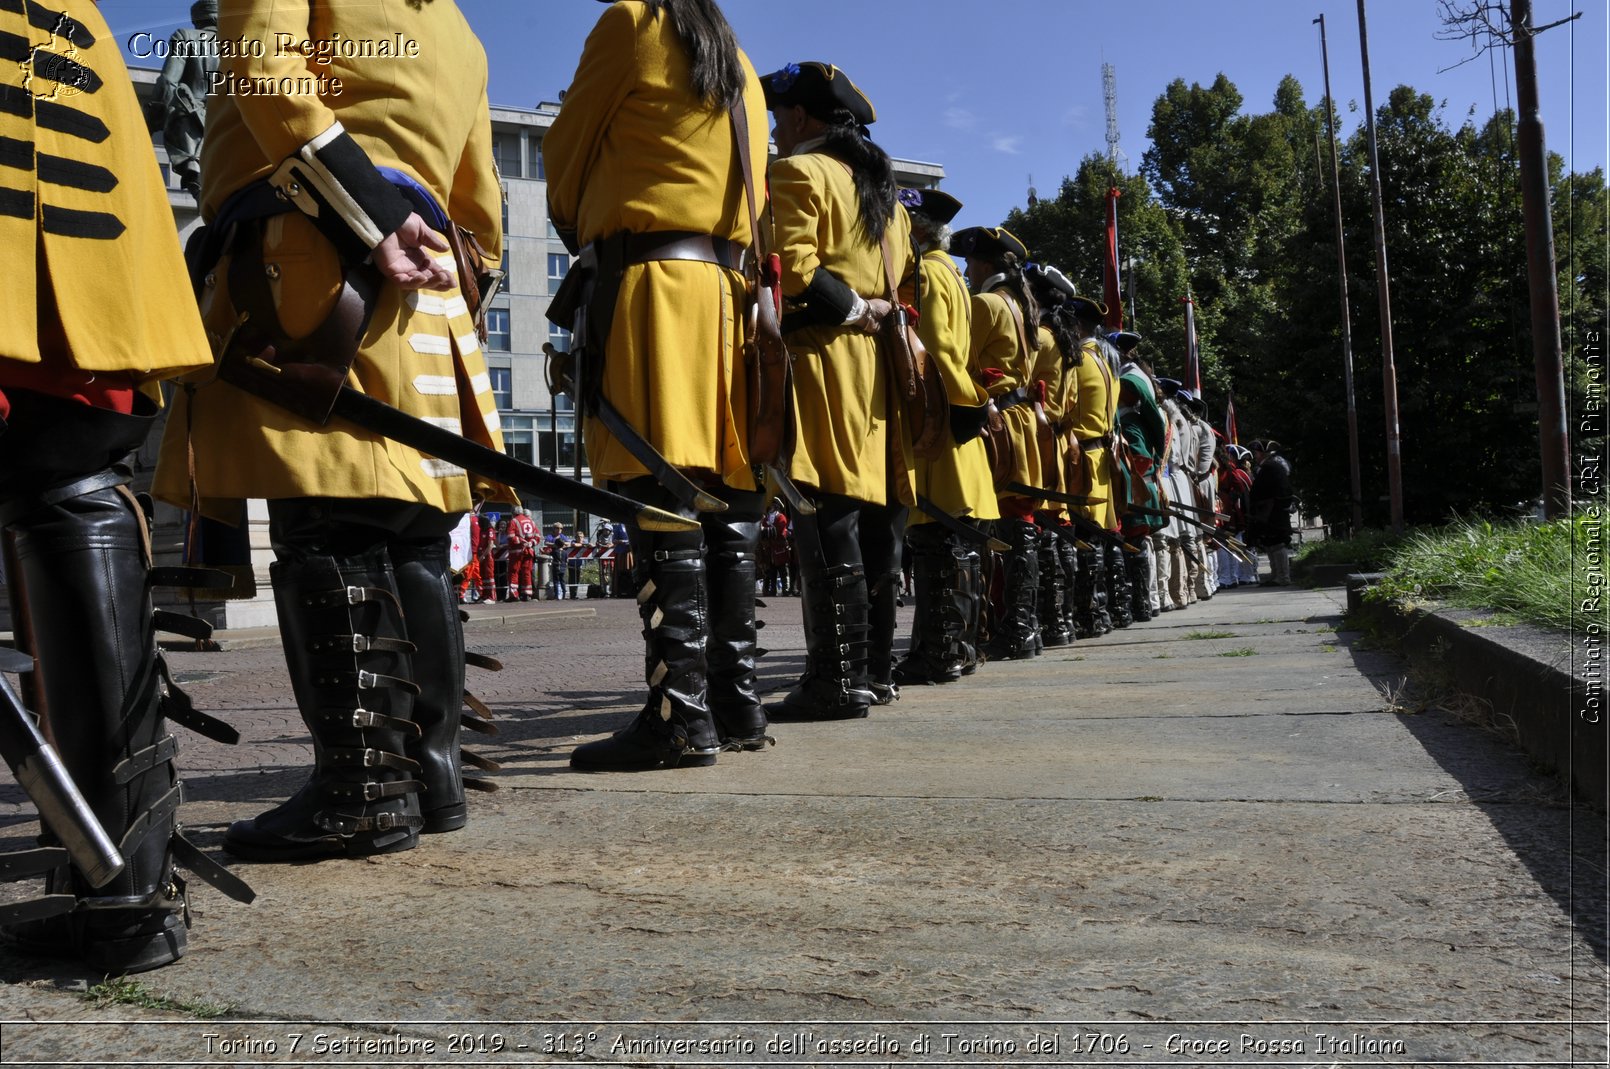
[(834, 210), (1102, 570), (949, 573), (643, 168), (1054, 376), (352, 167), (1002, 356), (92, 322)]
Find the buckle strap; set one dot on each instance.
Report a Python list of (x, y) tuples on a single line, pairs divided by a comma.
[(348, 595), (198, 864), (157, 815), (368, 757), (36, 909), (334, 822), (177, 706), (364, 680), (23, 864), (677, 554), (359, 644), (164, 749), (18, 507), (362, 718), (178, 623), (481, 660), (371, 792), (196, 578)]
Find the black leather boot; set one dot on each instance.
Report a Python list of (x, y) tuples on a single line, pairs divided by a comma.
[(732, 540), (675, 728), (881, 597), (424, 587), (1018, 632), (1049, 601), (1140, 583), (836, 610), (1068, 562), (351, 670), (936, 628), (968, 596), (79, 571), (1117, 587)]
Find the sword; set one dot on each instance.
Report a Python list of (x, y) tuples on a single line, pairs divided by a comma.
[(1025, 490), (1187, 519), (308, 376), (965, 531), (40, 773), (1067, 535), (786, 486)]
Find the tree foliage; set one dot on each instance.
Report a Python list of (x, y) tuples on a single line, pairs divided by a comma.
[(1239, 207)]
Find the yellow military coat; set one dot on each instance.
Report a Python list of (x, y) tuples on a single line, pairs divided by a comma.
[(841, 405), (996, 344), (1059, 392), (88, 234), (958, 481), (633, 149), (1094, 412), (425, 114)]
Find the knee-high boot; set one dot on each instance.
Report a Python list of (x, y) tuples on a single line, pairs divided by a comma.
[(938, 623), (1139, 567), (732, 541), (836, 610), (1117, 576), (969, 598), (424, 577), (675, 728), (1018, 631), (352, 673), (79, 569), (1050, 594)]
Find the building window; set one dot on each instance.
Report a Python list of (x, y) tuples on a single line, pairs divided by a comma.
[(559, 337), (497, 330), (502, 387), (506, 154), (553, 231), (537, 167), (558, 268)]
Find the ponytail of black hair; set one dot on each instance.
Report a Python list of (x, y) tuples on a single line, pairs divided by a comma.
[(718, 74), (870, 168), (1059, 321), (1017, 284)]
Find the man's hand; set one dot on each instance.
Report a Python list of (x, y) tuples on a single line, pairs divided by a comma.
[(876, 309), (404, 257)]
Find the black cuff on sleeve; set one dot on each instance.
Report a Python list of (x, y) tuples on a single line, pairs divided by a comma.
[(827, 299), (967, 422), (332, 179)]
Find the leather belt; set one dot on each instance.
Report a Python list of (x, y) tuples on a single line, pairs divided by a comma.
[(684, 245), (1096, 443)]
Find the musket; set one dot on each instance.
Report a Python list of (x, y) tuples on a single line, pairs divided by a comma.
[(966, 532), (1040, 493), (62, 808), (308, 377), (1189, 520), (1234, 550)]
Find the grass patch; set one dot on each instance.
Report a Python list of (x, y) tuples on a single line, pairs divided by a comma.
[(1523, 569), (1370, 549), (1244, 651), (1209, 634), (1329, 647), (122, 991), (1161, 656), (1267, 620)]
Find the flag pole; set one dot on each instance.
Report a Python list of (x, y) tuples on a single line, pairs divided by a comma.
[(1341, 277)]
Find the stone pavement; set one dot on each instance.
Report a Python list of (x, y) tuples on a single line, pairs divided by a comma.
[(1226, 837)]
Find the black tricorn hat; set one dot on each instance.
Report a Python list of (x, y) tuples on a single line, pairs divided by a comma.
[(1170, 386), (819, 88), (1087, 307), (988, 243), (938, 206), (1049, 285), (1124, 340)]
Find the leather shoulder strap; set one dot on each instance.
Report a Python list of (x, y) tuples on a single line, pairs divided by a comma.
[(740, 134)]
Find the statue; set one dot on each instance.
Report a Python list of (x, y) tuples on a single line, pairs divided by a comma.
[(182, 87)]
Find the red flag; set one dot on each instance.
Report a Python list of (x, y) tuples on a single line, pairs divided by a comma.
[(1230, 434), (1112, 291), (1193, 356)]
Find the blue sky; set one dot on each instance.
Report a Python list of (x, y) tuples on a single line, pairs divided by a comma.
[(1000, 90)]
